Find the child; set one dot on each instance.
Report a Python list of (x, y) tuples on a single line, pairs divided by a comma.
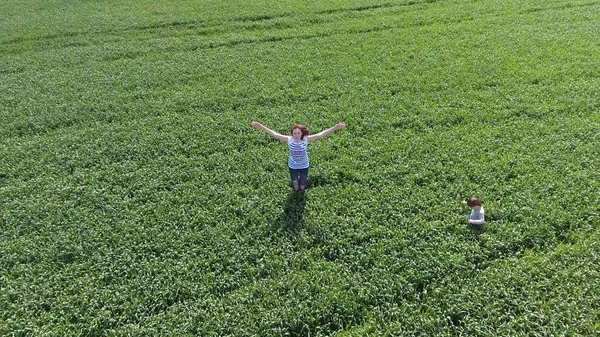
[(298, 146), (477, 216)]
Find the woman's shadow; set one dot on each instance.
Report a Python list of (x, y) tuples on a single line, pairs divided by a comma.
[(292, 218)]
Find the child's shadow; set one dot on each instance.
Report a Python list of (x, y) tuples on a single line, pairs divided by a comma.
[(292, 218), (477, 230)]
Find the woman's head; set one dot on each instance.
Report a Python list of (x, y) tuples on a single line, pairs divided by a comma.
[(299, 131), (473, 202)]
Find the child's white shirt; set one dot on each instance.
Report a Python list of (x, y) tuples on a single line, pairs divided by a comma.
[(477, 216)]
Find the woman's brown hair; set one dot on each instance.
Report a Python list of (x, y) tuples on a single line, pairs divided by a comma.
[(303, 128)]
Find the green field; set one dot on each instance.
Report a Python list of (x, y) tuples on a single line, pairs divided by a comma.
[(136, 200)]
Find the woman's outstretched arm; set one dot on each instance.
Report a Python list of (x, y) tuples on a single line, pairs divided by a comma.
[(325, 132), (269, 131)]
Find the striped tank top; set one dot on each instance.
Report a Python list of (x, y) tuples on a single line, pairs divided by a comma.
[(298, 153)]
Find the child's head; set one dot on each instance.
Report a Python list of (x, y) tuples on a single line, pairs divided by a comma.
[(299, 131), (473, 202)]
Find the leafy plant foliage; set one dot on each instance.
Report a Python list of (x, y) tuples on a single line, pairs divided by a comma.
[(136, 199)]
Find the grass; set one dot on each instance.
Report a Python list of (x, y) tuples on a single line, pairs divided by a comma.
[(136, 199)]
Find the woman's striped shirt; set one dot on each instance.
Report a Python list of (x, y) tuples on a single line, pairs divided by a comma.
[(298, 153)]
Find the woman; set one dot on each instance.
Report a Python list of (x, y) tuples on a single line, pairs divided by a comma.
[(298, 145)]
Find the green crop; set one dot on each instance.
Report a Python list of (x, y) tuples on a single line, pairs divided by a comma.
[(136, 199)]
